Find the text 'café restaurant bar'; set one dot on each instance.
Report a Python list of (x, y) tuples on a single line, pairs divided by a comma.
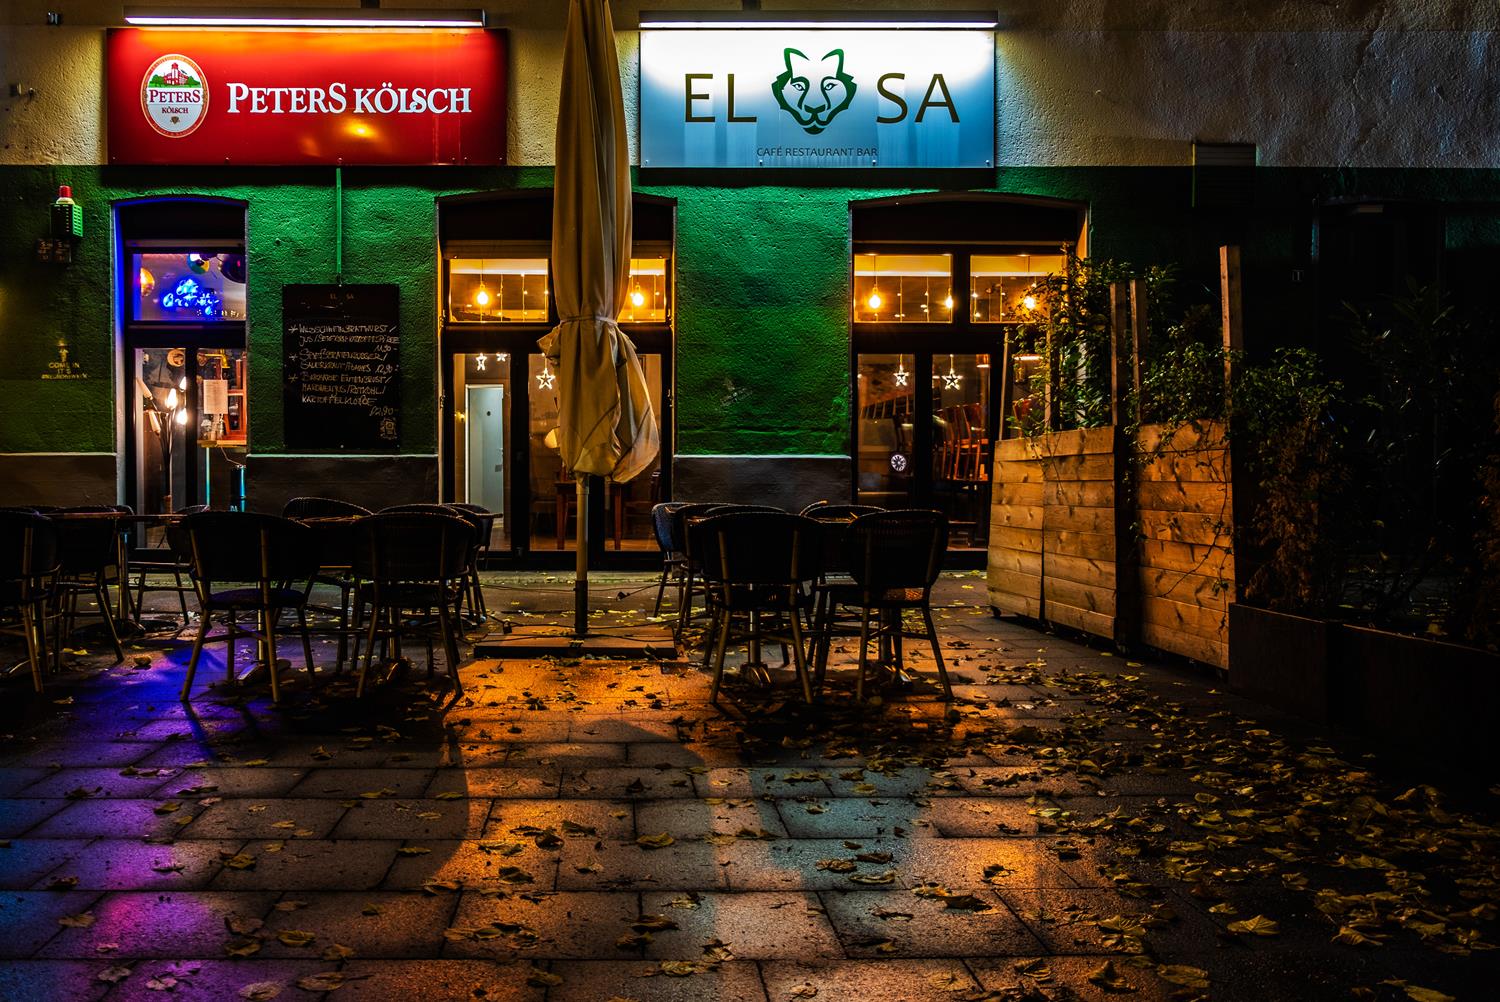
[(305, 252)]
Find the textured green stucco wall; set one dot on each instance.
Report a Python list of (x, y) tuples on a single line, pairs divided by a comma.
[(762, 270)]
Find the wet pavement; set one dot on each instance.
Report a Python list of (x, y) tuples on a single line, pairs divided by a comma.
[(1079, 825)]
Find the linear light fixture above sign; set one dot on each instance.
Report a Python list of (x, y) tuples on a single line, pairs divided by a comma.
[(301, 17), (937, 20)]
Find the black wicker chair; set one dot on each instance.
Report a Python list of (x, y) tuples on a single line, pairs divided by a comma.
[(894, 559), (176, 561), (262, 558), (412, 562), (755, 563), (483, 521), (673, 562), (89, 549), (691, 581), (29, 558)]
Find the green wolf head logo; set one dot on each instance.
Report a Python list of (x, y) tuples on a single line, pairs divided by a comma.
[(813, 91)]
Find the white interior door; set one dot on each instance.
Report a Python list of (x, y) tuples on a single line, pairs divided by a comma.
[(484, 431)]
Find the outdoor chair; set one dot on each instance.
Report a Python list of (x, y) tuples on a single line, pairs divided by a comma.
[(412, 562), (685, 516), (331, 520), (691, 580), (333, 545), (755, 563), (673, 562), (88, 549), (176, 560), (29, 555), (484, 521), (894, 559), (470, 592), (260, 558)]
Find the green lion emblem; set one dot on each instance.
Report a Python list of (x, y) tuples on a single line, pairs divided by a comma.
[(813, 91)]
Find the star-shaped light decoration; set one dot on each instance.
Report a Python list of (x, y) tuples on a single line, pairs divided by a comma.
[(951, 379), (479, 361), (546, 377), (901, 374)]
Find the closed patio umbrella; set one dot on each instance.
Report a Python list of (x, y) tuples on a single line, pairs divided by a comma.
[(606, 423)]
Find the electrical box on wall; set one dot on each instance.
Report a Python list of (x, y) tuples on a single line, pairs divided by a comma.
[(66, 227)]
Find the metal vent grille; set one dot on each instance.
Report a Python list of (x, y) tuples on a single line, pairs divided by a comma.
[(1223, 175)]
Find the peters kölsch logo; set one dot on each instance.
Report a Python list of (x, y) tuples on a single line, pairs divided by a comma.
[(813, 91), (174, 95)]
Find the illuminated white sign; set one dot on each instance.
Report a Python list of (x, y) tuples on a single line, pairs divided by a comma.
[(817, 98)]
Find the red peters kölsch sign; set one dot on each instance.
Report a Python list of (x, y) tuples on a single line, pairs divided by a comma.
[(306, 97)]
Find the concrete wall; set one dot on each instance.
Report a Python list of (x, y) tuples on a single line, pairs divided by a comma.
[(1079, 82)]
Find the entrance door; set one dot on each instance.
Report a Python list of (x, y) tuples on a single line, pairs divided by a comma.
[(188, 428), (924, 432), (484, 428)]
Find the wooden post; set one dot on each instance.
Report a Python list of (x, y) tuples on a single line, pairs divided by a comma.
[(1004, 395), (1127, 560), (1138, 321), (1241, 490), (1232, 313)]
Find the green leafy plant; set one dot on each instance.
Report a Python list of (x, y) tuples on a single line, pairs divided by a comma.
[(1284, 429), (1426, 378), (1072, 334)]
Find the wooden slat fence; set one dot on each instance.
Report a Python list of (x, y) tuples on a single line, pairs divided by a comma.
[(1052, 535)]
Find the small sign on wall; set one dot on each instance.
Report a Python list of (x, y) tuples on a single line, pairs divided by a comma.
[(851, 97)]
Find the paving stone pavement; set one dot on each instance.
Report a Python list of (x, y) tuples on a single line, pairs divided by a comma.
[(1079, 825)]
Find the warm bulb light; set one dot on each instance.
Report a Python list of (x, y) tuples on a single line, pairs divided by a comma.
[(182, 416), (637, 298), (482, 297), (172, 399), (947, 302), (1029, 302), (874, 302)]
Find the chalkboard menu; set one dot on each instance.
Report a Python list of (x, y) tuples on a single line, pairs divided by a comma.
[(342, 366)]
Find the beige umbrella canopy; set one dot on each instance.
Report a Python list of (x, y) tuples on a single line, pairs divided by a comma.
[(607, 425)]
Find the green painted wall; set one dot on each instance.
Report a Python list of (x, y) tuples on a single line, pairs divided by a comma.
[(762, 330)]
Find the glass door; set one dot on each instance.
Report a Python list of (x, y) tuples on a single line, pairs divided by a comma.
[(886, 450), (960, 452), (189, 428)]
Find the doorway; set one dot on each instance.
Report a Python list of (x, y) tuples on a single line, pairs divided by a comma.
[(184, 415), (499, 397), (939, 285)]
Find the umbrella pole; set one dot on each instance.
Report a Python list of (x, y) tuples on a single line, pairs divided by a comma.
[(581, 575)]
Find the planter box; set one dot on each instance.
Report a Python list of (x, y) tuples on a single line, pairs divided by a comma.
[(1426, 696), (1282, 660), (1431, 696)]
